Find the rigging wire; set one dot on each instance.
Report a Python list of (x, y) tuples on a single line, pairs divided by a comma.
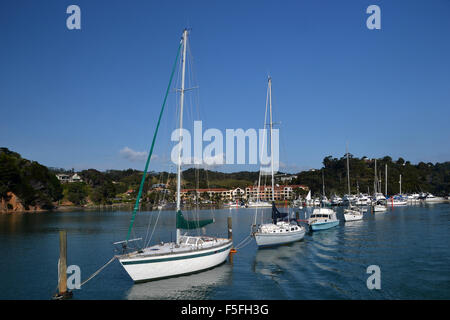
[(137, 204), (262, 153)]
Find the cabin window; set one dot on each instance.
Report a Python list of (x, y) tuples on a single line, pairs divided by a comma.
[(192, 241), (183, 239)]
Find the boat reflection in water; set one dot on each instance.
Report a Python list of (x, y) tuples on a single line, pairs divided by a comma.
[(195, 286), (273, 261)]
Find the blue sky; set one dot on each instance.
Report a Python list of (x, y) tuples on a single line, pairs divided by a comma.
[(76, 98)]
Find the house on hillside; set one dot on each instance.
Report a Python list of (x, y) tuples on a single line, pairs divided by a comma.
[(68, 178)]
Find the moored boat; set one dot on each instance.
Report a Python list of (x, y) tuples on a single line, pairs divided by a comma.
[(281, 230), (278, 232), (188, 254), (322, 218), (353, 214), (379, 208)]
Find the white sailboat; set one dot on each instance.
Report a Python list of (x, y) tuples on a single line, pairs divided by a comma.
[(259, 204), (377, 195), (379, 208), (188, 254), (351, 214), (324, 200), (397, 201), (281, 230), (308, 200)]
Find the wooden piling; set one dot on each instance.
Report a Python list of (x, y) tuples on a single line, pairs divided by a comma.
[(63, 293), (230, 236), (62, 265)]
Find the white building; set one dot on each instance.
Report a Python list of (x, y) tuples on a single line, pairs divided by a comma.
[(65, 178)]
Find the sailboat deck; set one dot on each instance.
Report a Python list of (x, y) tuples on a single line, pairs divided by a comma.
[(187, 244)]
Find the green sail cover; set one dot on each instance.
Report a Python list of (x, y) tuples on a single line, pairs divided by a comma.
[(182, 223)]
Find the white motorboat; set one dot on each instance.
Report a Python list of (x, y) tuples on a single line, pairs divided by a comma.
[(322, 218), (363, 200), (429, 198), (336, 200)]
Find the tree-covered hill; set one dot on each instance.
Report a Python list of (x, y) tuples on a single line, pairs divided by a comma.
[(426, 177), (36, 185), (215, 179), (32, 182)]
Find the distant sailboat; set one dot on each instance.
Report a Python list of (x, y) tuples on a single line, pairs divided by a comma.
[(308, 199), (324, 200), (351, 214)]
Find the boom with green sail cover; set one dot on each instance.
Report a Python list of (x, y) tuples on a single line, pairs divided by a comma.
[(182, 223)]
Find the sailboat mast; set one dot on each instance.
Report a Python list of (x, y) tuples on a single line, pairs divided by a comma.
[(385, 180), (348, 171), (376, 177), (183, 71), (271, 143), (323, 183)]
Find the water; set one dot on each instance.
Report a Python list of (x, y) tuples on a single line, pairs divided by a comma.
[(409, 244)]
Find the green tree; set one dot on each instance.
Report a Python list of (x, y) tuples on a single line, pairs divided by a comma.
[(77, 193)]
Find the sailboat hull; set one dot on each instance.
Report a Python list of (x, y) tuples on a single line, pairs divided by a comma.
[(379, 209), (352, 216), (267, 239), (175, 264)]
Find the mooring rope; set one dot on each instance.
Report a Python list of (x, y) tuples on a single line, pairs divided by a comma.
[(244, 242), (98, 271)]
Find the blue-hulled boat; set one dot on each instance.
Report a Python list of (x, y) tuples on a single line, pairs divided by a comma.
[(322, 219)]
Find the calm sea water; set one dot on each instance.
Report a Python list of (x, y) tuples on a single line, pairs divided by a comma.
[(409, 244)]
